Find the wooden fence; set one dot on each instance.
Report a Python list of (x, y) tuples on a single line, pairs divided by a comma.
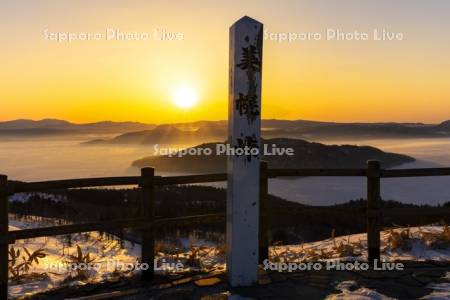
[(147, 221)]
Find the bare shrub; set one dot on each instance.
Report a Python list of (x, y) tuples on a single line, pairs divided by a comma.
[(19, 266)]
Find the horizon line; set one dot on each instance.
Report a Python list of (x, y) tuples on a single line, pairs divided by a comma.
[(222, 120)]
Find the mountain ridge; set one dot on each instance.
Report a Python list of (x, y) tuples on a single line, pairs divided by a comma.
[(57, 126), (310, 130), (218, 129)]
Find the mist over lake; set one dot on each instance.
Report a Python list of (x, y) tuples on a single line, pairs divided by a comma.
[(37, 159)]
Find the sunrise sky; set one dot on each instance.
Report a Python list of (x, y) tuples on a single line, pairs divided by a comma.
[(85, 81)]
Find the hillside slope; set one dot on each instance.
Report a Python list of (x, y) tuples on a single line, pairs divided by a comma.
[(306, 155)]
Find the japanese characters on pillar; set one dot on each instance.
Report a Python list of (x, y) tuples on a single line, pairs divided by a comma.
[(244, 132)]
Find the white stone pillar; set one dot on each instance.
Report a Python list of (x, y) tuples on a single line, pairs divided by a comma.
[(244, 134)]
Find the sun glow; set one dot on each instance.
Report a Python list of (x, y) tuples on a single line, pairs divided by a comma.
[(184, 96)]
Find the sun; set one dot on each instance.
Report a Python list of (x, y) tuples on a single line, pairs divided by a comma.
[(184, 96)]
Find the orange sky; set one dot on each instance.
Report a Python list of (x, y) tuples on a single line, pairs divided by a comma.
[(85, 81)]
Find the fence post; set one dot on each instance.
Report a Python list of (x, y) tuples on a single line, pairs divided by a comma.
[(3, 233), (373, 209), (148, 208), (263, 213)]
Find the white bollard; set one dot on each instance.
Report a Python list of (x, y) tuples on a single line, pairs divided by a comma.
[(244, 135)]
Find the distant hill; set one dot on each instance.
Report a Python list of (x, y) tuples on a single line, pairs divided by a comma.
[(202, 131), (163, 134), (30, 124), (217, 130), (445, 126), (54, 126), (307, 155)]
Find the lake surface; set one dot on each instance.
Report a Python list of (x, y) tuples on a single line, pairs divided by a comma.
[(330, 190), (64, 157)]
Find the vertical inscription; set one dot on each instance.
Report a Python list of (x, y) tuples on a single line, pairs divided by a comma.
[(244, 131)]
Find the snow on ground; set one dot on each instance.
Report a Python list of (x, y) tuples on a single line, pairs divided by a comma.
[(54, 264), (111, 258), (349, 292), (416, 246), (441, 290), (109, 255), (352, 247)]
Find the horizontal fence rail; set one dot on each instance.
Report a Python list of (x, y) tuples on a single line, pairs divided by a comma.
[(76, 228), (19, 187), (23, 187), (315, 172), (148, 222), (203, 178), (395, 173), (203, 218)]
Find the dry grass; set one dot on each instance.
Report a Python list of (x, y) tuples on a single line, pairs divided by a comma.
[(194, 256), (221, 249), (19, 265), (313, 255), (399, 239), (197, 255), (346, 248), (343, 248), (436, 240), (78, 261), (168, 247)]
